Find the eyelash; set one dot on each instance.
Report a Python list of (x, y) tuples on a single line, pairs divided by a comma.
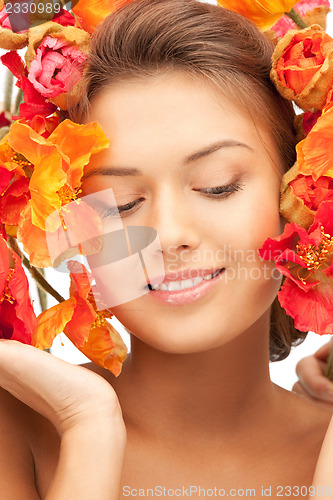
[(223, 193)]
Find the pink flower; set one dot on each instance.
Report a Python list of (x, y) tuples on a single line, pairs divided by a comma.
[(34, 104), (63, 17), (303, 7), (57, 67), (4, 19)]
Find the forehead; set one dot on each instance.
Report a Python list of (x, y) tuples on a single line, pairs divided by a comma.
[(172, 114)]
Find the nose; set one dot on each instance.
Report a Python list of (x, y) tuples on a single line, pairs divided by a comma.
[(174, 220)]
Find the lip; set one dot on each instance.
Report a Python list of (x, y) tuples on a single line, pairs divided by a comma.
[(181, 297)]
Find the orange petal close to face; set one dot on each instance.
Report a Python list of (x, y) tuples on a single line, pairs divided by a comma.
[(105, 347)]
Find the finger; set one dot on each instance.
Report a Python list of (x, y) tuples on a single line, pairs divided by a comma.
[(310, 373), (60, 391), (324, 351), (299, 389)]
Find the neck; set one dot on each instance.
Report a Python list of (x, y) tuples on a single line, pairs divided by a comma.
[(228, 386)]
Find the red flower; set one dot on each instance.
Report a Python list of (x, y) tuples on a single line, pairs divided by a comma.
[(64, 18), (14, 196), (309, 120), (83, 324), (4, 122), (306, 259), (17, 317), (34, 102), (42, 125), (313, 192)]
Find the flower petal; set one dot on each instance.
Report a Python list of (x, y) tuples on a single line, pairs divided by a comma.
[(105, 347), (52, 322), (311, 310)]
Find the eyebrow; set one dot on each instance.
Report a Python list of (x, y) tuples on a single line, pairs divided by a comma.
[(207, 150)]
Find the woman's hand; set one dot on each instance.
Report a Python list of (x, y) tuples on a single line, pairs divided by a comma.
[(84, 409), (312, 382), (66, 394)]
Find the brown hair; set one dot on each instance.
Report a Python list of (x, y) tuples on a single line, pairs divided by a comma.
[(146, 37)]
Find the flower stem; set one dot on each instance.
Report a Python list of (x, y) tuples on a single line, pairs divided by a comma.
[(18, 100), (8, 90), (42, 294), (297, 18), (329, 369), (37, 276)]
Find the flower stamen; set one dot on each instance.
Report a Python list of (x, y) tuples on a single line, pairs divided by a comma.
[(6, 295), (67, 194), (314, 256), (22, 162), (100, 320)]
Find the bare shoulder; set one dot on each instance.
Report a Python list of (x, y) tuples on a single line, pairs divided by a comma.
[(308, 421), (17, 478)]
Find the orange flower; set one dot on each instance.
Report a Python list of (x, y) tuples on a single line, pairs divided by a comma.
[(264, 13), (314, 153), (86, 327), (15, 171), (58, 162), (310, 181), (92, 12), (303, 67)]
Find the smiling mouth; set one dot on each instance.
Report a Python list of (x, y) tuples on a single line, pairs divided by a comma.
[(175, 286)]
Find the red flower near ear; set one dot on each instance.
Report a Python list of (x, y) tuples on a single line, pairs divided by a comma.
[(17, 317), (306, 259)]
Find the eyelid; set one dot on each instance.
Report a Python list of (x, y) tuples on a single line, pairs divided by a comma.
[(226, 189), (116, 211)]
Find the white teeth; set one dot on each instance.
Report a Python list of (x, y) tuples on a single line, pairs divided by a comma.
[(172, 286), (186, 284)]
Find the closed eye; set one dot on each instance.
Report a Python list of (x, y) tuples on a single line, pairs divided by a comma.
[(221, 191), (218, 192), (118, 210)]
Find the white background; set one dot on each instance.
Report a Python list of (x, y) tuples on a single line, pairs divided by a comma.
[(282, 372)]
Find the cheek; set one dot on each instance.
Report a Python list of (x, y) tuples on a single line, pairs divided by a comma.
[(246, 219), (240, 229)]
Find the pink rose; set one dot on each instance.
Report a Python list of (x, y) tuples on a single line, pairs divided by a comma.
[(304, 7), (4, 19), (56, 68)]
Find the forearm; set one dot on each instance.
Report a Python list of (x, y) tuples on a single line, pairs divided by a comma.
[(90, 462)]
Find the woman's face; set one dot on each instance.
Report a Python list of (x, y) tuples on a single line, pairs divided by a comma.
[(183, 138)]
